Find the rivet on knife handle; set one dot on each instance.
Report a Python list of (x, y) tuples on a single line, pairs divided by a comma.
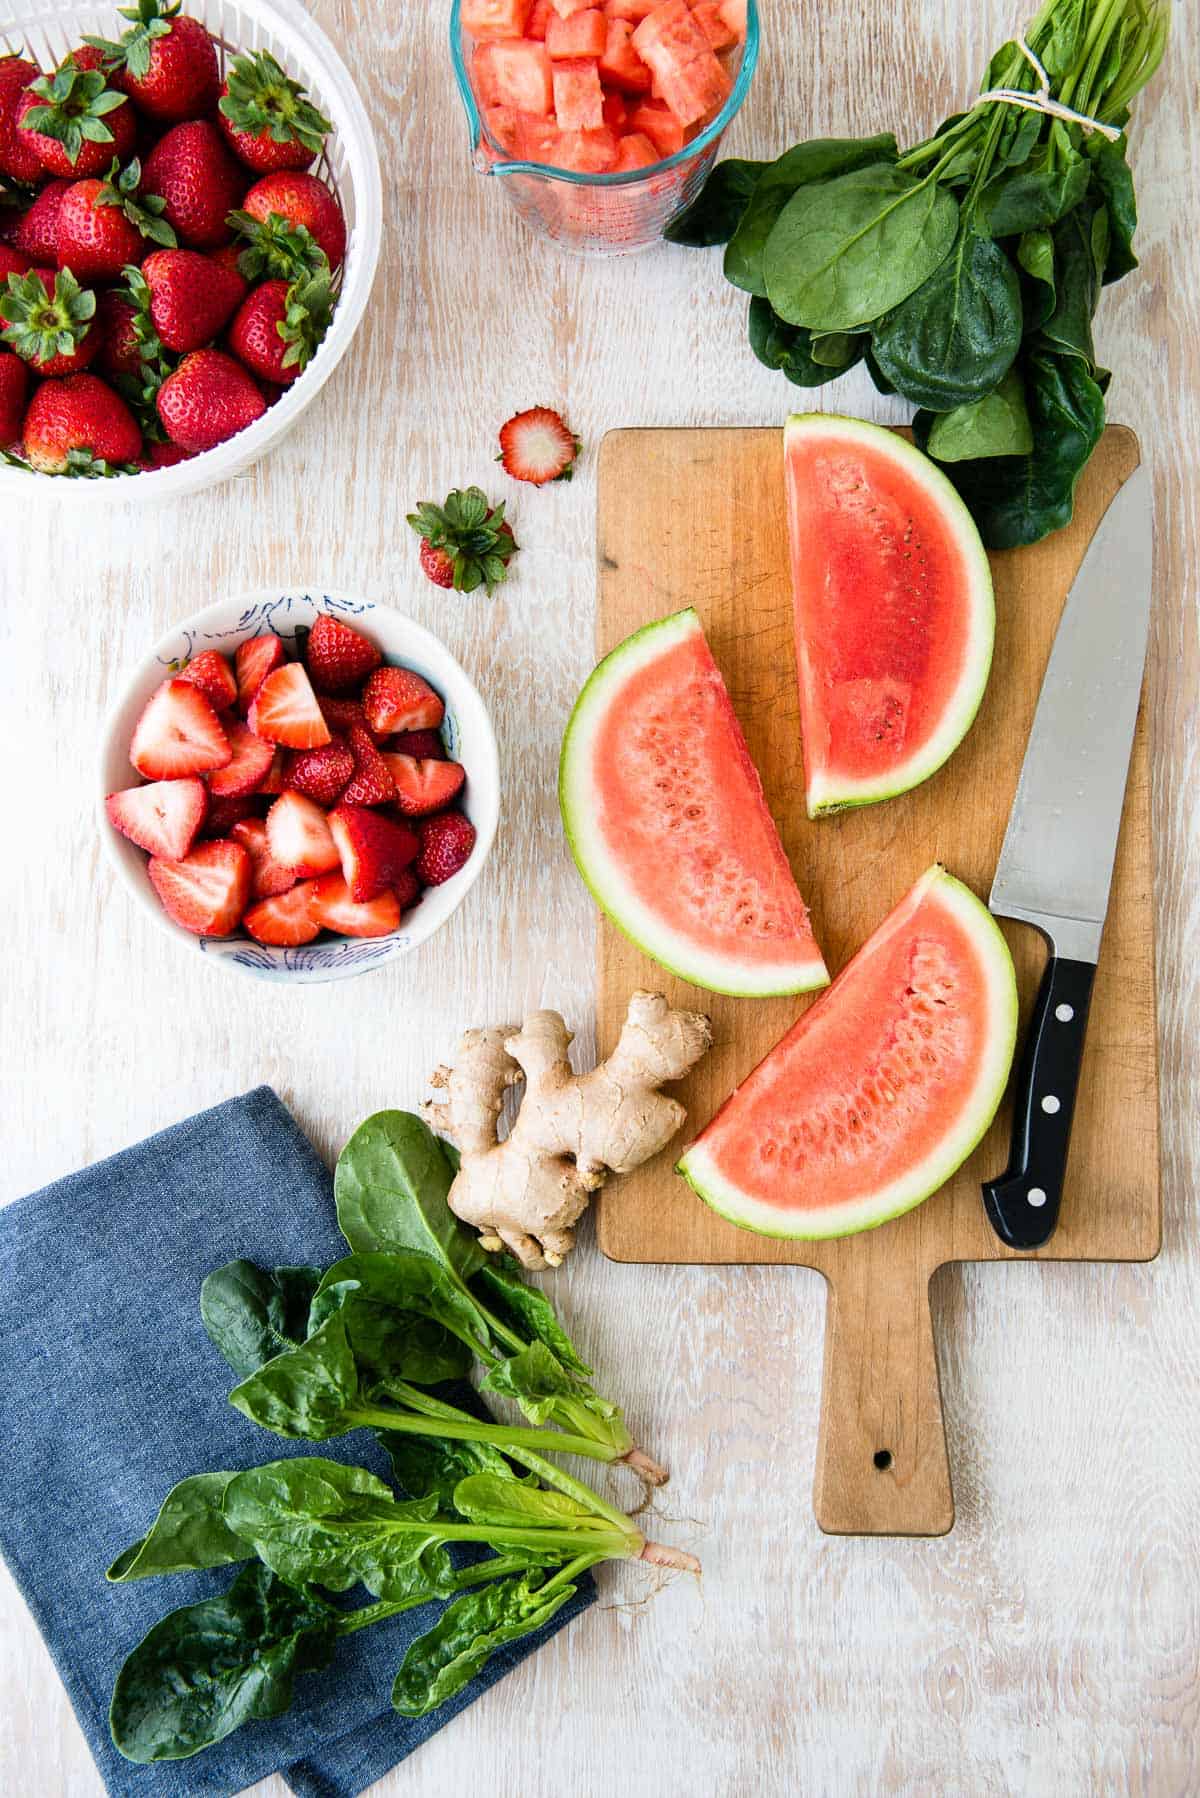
[(1023, 1203)]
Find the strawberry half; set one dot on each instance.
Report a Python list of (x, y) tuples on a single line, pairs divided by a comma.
[(341, 715), (178, 734), (423, 787), (321, 774), (251, 763), (163, 818), (267, 879), (446, 845), (212, 674), (334, 909), (372, 783), (299, 836), (338, 657), (253, 661), (397, 699), (374, 851), (204, 892), (426, 745), (537, 446), (284, 922), (285, 710)]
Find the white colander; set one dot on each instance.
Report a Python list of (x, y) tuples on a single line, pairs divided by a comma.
[(47, 29)]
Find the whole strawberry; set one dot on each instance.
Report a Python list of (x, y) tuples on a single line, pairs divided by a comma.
[(446, 844), (36, 235), (11, 263), (189, 296), (75, 121), (338, 657), (465, 543), (198, 182), (49, 321), (279, 326), (209, 398), (301, 199), (102, 225), (14, 385), (165, 62), (18, 157), (79, 426), (266, 118)]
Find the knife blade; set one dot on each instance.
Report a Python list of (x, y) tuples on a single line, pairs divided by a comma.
[(1056, 862)]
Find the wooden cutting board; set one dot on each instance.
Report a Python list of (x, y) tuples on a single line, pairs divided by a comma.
[(696, 517)]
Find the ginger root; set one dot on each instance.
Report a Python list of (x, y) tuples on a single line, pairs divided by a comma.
[(527, 1193)]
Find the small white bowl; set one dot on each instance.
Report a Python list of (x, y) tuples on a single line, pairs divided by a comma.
[(467, 731)]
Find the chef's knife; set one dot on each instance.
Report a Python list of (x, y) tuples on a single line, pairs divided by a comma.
[(1056, 864)]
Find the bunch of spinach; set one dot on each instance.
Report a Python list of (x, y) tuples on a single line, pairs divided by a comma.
[(371, 1343), (965, 271)]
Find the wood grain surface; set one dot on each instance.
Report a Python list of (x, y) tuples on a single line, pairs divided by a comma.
[(718, 497), (1048, 1646)]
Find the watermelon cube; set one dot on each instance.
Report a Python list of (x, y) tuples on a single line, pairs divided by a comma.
[(615, 111), (537, 140), (565, 8), (578, 96), (659, 124), (583, 34), (588, 152), (620, 65), (635, 10), (734, 14), (513, 72), (503, 123), (540, 15), (714, 25), (635, 152), (681, 59), (495, 18)]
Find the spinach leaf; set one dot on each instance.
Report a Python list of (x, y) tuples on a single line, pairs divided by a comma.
[(1113, 182), (252, 1315), (528, 1307), (713, 215), (536, 1379), (205, 1670), (787, 348), (189, 1532), (447, 1657), (308, 1392), (1035, 253), (405, 1316), (818, 160), (510, 1504), (1080, 246), (390, 1188), (847, 251), (1035, 195), (997, 425), (313, 1520), (954, 338), (836, 349), (432, 1466)]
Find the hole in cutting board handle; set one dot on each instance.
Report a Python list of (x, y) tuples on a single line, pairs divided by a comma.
[(882, 1459)]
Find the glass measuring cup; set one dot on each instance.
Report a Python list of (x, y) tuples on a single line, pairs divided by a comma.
[(602, 215)]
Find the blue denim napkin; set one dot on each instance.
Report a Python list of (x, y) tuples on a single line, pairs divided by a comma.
[(110, 1391)]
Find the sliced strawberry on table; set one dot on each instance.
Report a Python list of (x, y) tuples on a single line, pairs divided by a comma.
[(407, 889), (423, 787), (204, 892), (372, 783), (334, 909), (426, 745), (251, 763), (397, 699), (268, 878), (178, 734), (163, 817), (224, 814), (285, 710), (446, 844), (537, 446), (321, 774), (285, 921), (253, 661), (299, 836), (212, 674), (338, 657), (374, 850)]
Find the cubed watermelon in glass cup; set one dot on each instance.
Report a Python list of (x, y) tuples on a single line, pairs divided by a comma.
[(601, 118)]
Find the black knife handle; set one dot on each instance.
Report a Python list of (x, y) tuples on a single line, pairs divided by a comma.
[(1023, 1203)]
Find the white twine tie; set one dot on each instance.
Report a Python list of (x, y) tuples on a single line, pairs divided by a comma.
[(1043, 100)]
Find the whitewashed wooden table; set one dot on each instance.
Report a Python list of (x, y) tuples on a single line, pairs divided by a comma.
[(1049, 1645)]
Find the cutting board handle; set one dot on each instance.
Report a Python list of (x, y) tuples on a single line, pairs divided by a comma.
[(882, 1466)]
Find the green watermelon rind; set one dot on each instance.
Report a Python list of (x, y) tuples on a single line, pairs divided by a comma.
[(960, 716), (671, 949), (941, 1164)]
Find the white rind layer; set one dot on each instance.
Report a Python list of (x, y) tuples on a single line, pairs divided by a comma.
[(699, 1168), (612, 891), (823, 794)]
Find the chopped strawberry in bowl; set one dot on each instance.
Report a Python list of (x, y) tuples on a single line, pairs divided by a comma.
[(301, 785), (602, 118)]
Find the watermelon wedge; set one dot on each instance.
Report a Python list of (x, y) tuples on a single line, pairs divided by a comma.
[(893, 610), (882, 1089), (665, 814)]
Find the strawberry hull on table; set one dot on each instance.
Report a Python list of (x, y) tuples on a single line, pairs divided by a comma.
[(603, 88), (284, 798), (167, 237)]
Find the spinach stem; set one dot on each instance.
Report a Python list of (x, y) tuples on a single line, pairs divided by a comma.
[(496, 1568), (500, 1435)]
